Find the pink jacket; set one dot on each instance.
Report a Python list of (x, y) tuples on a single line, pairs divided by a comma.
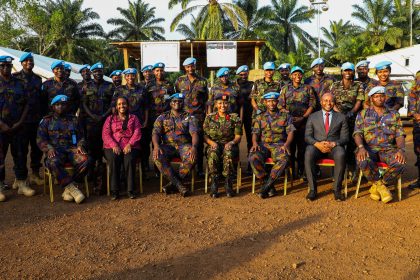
[(113, 135)]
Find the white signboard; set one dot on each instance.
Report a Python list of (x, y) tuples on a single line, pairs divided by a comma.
[(221, 54), (166, 52)]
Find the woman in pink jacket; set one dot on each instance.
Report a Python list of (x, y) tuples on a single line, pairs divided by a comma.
[(121, 135)]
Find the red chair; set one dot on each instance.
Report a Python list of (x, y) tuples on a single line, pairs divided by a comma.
[(269, 161), (178, 161), (326, 162)]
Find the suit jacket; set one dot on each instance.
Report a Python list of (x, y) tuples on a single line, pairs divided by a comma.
[(315, 129)]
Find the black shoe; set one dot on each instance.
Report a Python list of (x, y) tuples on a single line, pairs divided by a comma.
[(169, 188), (114, 196), (339, 196), (414, 185), (272, 192), (185, 192), (263, 195), (311, 196), (131, 195), (228, 187)]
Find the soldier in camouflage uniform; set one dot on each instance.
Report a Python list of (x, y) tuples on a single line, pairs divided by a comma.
[(349, 96), (272, 135), (60, 137), (263, 86), (394, 93), (362, 69), (86, 74), (224, 86), (116, 77), (96, 102), (175, 134), (299, 101), (195, 91), (33, 85), (379, 136), (284, 70), (414, 111), (148, 76), (319, 81), (60, 85), (222, 133), (13, 110)]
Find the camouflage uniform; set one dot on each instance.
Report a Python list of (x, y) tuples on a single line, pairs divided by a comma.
[(297, 101), (380, 133), (51, 88), (175, 134), (222, 130), (196, 95), (137, 99), (368, 81), (394, 94), (13, 100), (235, 99), (33, 84), (272, 131), (245, 88), (260, 88), (414, 108), (63, 134), (320, 86), (284, 82)]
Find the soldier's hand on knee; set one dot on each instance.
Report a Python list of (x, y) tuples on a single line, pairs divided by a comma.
[(254, 148), (361, 154), (400, 157), (156, 152), (228, 146), (213, 145), (116, 150), (193, 153), (51, 153), (80, 150)]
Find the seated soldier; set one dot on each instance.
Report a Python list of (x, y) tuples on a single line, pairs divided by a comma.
[(222, 133), (60, 137), (175, 134), (272, 134), (379, 136)]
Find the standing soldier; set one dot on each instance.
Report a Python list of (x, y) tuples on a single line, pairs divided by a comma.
[(272, 134), (13, 110), (284, 70), (245, 88), (195, 92), (362, 69), (84, 71), (414, 111), (349, 96), (379, 136), (60, 85), (299, 101), (148, 76), (263, 86), (116, 78), (33, 85), (175, 134), (394, 93), (225, 86), (319, 81), (222, 133), (96, 102), (67, 70)]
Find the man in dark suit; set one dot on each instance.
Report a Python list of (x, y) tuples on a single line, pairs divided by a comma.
[(326, 134)]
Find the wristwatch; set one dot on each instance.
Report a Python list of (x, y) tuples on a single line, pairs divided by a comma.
[(360, 146)]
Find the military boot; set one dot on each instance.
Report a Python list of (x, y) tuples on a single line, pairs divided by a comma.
[(228, 187), (266, 188), (383, 191), (416, 184), (168, 188), (24, 189), (213, 186), (374, 194), (272, 192), (181, 188)]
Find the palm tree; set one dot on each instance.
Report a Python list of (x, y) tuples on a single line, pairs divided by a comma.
[(286, 16), (337, 30), (401, 19), (138, 23), (214, 17), (192, 31)]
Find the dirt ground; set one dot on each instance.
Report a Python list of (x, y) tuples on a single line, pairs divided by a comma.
[(168, 237)]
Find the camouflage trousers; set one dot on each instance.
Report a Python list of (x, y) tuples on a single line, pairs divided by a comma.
[(274, 151), (371, 171), (220, 157), (169, 152), (56, 165)]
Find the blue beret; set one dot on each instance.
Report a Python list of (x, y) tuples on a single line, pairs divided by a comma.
[(130, 71), (347, 66), (176, 96), (222, 72), (25, 56), (6, 58), (377, 89), (382, 65), (317, 61), (269, 65), (115, 73), (363, 63), (243, 68), (190, 60), (284, 66), (271, 95), (59, 98), (57, 63), (86, 66), (67, 66), (147, 68), (296, 68), (221, 96), (159, 65), (96, 66)]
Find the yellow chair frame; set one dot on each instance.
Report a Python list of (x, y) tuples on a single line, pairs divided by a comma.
[(270, 161)]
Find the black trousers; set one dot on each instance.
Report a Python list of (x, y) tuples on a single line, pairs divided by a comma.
[(298, 144), (248, 128), (30, 133), (312, 154), (115, 162), (17, 143), (146, 139)]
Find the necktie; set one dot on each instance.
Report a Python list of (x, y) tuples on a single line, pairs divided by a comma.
[(327, 122)]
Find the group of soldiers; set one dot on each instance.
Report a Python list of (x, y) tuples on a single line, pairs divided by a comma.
[(178, 119)]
